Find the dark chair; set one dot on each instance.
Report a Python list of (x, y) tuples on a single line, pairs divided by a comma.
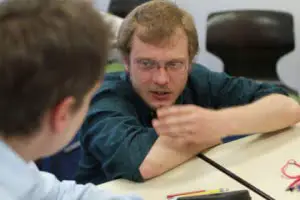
[(121, 8), (250, 42)]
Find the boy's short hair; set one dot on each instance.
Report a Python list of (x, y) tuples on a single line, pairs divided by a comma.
[(50, 49), (155, 21)]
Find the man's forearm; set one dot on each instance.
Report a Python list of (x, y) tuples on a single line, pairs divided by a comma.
[(271, 113), (168, 153)]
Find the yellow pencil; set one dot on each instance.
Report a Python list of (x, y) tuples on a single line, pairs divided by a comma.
[(203, 193)]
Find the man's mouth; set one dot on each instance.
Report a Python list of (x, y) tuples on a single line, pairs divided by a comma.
[(161, 95)]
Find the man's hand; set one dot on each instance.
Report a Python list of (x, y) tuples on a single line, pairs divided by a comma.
[(191, 123), (187, 130), (184, 132), (270, 113)]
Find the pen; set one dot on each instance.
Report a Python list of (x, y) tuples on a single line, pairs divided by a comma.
[(235, 177), (294, 188), (178, 194), (206, 192)]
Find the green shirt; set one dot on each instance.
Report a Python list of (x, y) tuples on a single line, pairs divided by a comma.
[(117, 133)]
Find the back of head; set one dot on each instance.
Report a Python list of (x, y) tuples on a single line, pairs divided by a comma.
[(50, 49), (154, 22)]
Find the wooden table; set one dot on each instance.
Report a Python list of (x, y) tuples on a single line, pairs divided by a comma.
[(257, 159), (193, 175)]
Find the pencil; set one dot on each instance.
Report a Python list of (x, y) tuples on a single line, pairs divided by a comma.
[(185, 193)]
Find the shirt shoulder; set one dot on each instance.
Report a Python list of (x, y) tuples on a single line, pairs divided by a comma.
[(199, 77), (203, 75), (5, 195), (114, 82), (197, 89), (115, 93)]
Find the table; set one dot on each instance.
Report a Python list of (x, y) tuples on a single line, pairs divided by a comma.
[(193, 175), (257, 159)]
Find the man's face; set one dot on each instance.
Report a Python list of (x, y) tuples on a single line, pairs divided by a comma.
[(159, 72)]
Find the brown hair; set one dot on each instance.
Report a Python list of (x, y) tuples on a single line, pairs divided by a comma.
[(49, 50), (156, 21)]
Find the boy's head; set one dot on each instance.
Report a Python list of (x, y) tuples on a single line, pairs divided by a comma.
[(158, 41), (52, 58)]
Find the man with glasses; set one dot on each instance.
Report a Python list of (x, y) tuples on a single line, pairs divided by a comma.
[(164, 110)]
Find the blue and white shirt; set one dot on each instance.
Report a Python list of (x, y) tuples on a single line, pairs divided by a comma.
[(23, 181)]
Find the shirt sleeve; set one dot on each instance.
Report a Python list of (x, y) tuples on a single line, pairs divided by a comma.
[(114, 136), (5, 195), (229, 91), (50, 187)]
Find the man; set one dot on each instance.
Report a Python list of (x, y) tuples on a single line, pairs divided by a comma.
[(52, 59), (162, 111)]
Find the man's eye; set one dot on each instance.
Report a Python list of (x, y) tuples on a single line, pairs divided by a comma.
[(175, 65), (147, 63)]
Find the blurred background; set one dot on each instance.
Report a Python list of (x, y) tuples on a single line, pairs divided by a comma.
[(254, 39)]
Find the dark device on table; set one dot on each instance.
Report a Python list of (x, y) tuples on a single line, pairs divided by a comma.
[(234, 195)]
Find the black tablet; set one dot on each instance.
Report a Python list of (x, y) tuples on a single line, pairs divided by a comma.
[(234, 195)]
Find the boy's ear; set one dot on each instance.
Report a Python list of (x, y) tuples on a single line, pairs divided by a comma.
[(60, 116), (126, 62)]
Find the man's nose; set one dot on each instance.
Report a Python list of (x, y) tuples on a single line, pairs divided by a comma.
[(161, 76)]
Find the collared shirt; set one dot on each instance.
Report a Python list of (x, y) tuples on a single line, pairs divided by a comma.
[(22, 181), (117, 133)]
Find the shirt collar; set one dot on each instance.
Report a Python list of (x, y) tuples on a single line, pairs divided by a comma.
[(17, 178)]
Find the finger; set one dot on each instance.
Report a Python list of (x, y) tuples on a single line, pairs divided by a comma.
[(165, 132), (174, 130), (174, 110), (176, 119), (171, 130)]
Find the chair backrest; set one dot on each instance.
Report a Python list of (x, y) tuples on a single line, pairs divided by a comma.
[(122, 7), (250, 42), (287, 66)]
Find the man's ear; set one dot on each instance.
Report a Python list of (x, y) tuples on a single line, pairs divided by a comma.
[(61, 115), (126, 61)]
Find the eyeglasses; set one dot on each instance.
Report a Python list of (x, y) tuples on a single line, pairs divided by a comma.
[(149, 65)]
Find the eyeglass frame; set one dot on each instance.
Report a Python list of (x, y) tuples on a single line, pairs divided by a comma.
[(179, 65)]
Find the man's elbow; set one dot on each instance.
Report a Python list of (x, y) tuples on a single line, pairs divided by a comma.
[(294, 111), (289, 108), (149, 171), (297, 114)]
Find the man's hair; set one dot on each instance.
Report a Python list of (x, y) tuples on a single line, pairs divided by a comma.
[(50, 49), (155, 21)]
